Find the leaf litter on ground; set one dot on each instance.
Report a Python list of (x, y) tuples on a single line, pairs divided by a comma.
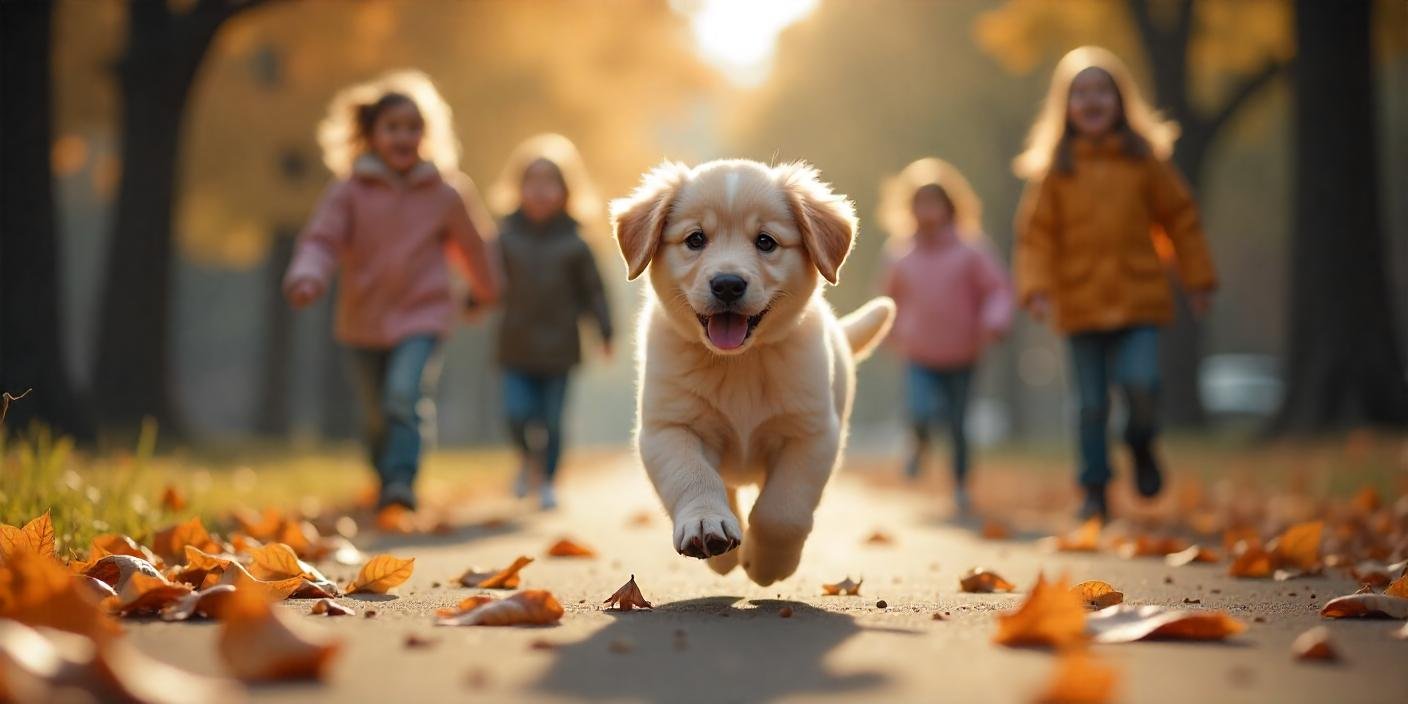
[(530, 607), (628, 597), (980, 580), (506, 578), (1051, 616)]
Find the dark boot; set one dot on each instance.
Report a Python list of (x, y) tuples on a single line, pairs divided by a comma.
[(1095, 503)]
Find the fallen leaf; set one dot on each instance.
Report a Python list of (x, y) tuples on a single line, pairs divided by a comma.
[(1149, 546), (300, 535), (846, 586), (1126, 623), (1299, 547), (1366, 501), (1314, 644), (206, 603), (43, 665), (506, 578), (37, 591), (37, 536), (173, 499), (145, 595), (381, 574), (258, 643), (1241, 535), (115, 544), (277, 561), (1097, 594), (567, 547), (980, 580), (531, 607), (1086, 538), (1193, 554), (328, 607), (628, 597), (879, 537), (995, 530), (468, 604), (395, 519), (1371, 573), (1080, 678), (1399, 588), (271, 590), (1366, 606), (170, 542), (640, 519), (1052, 615), (94, 588), (1251, 561), (115, 570)]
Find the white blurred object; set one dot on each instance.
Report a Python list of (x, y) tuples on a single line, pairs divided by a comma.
[(1240, 385)]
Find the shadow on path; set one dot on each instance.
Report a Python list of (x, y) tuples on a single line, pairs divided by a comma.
[(709, 650)]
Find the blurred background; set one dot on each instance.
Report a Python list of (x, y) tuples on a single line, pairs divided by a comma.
[(160, 157)]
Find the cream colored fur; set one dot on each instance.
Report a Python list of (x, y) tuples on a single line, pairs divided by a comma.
[(773, 412)]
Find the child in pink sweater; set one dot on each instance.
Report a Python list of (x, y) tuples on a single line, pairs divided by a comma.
[(953, 299), (390, 225)]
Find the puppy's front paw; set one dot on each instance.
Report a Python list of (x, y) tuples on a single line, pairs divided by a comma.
[(707, 533)]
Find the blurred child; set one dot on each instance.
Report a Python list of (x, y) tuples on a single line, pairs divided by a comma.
[(1103, 211), (389, 224), (551, 283), (953, 301)]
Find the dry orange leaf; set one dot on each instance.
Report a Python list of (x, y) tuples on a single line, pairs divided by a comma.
[(879, 537), (846, 586), (1366, 501), (1365, 606), (1314, 644), (1052, 616), (469, 603), (144, 595), (628, 597), (263, 526), (506, 578), (51, 666), (1080, 678), (258, 643), (981, 580), (531, 607), (1399, 588), (1251, 561), (277, 561), (1086, 538), (173, 499), (206, 603), (37, 536), (115, 570), (1195, 553), (170, 542), (114, 544), (1125, 623), (37, 591), (1299, 547), (567, 547), (1097, 594), (1149, 546), (995, 530), (381, 574), (328, 607)]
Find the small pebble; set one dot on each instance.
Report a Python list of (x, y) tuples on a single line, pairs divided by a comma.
[(785, 612), (1259, 619), (1168, 579), (938, 616), (1215, 591), (369, 613), (1186, 600), (881, 604), (416, 640), (435, 585)]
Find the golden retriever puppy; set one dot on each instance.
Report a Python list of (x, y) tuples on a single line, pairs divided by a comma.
[(746, 375)]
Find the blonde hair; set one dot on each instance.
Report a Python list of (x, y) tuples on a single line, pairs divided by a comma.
[(896, 212), (583, 203), (343, 139), (1145, 129)]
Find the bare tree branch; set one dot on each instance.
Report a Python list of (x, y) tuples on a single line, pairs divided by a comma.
[(1250, 86)]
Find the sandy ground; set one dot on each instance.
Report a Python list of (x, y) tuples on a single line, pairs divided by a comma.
[(722, 639)]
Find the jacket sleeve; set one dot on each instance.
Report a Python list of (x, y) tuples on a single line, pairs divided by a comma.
[(1034, 255), (468, 226), (1173, 209), (996, 293), (323, 239), (592, 292)]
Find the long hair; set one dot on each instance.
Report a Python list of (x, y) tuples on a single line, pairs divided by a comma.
[(896, 211), (1145, 131), (583, 203), (343, 132)]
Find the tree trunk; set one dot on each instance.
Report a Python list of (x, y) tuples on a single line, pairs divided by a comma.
[(31, 347), (273, 414), (1345, 366), (164, 51)]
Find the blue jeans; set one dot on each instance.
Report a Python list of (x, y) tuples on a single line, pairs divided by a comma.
[(1128, 357), (536, 401), (397, 388), (940, 395)]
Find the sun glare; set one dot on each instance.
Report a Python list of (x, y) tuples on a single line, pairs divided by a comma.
[(739, 36)]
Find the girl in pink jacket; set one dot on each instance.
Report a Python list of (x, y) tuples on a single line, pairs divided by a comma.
[(398, 215), (953, 300)]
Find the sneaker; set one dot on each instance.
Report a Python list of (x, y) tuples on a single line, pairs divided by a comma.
[(1095, 504), (1147, 477), (397, 495), (547, 498), (520, 485)]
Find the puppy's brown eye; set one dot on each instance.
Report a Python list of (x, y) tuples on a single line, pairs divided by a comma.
[(696, 240), (765, 242)]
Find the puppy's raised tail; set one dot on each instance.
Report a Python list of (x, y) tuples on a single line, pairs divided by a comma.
[(867, 325)]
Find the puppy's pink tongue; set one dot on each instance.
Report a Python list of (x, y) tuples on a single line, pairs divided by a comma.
[(727, 330)]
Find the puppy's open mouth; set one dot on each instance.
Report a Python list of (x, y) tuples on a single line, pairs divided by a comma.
[(728, 331)]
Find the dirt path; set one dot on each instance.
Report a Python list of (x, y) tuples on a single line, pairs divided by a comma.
[(722, 639)]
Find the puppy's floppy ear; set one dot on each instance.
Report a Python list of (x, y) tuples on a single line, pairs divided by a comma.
[(638, 220), (827, 219)]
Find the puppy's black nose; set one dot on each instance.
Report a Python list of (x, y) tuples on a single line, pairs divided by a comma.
[(728, 288)]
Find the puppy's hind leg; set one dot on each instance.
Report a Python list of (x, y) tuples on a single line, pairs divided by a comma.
[(723, 564), (781, 519)]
